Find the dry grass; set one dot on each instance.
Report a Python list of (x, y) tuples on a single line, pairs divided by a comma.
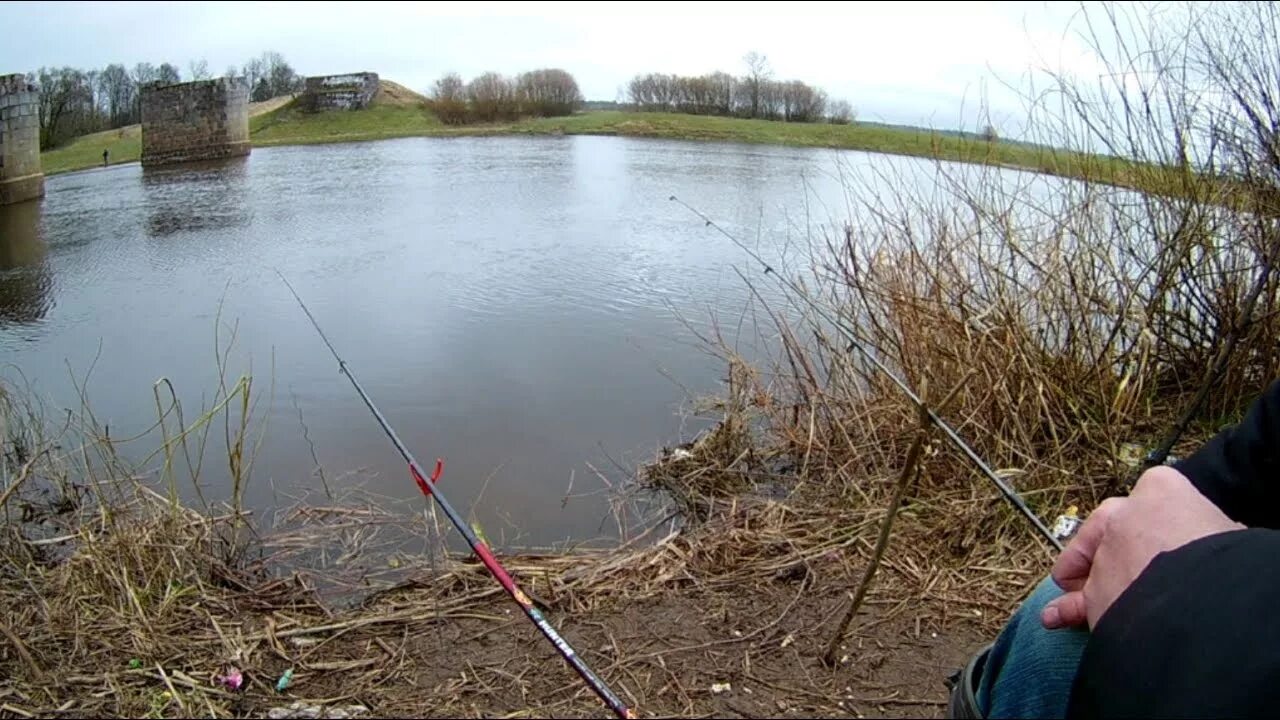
[(117, 601), (393, 93)]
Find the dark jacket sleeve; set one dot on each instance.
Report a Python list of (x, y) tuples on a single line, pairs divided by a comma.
[(1196, 635), (1239, 469)]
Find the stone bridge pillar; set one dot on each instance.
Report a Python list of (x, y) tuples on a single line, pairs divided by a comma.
[(202, 120), (20, 175)]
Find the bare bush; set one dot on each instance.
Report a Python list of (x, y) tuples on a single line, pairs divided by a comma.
[(721, 94), (548, 93), (449, 99), (492, 97), (839, 112)]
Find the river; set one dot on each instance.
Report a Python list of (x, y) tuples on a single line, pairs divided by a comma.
[(514, 305)]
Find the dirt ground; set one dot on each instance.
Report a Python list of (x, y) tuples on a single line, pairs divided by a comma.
[(666, 657), (698, 652)]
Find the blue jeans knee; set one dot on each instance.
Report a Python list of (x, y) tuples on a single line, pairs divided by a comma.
[(1029, 671)]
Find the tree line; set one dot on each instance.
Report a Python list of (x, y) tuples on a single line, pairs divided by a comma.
[(492, 97), (76, 102), (753, 95)]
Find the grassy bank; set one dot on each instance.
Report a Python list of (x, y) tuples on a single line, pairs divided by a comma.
[(398, 112), (867, 137)]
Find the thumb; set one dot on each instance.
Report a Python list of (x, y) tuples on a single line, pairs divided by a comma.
[(1066, 610), (1072, 567)]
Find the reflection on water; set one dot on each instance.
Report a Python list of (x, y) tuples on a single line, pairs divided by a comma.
[(221, 184), (26, 283), (515, 305)]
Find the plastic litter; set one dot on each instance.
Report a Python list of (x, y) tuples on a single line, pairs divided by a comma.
[(283, 683), (135, 664), (1067, 524), (718, 688), (233, 680)]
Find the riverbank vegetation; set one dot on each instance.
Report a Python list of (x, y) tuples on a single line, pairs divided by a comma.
[(753, 109), (492, 97), (1060, 327), (398, 112), (755, 95)]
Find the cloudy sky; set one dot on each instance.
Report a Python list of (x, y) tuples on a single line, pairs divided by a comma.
[(920, 63)]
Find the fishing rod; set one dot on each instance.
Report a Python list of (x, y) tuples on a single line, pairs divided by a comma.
[(854, 344), (478, 546)]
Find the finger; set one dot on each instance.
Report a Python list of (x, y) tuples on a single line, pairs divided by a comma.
[(1072, 567), (1065, 611)]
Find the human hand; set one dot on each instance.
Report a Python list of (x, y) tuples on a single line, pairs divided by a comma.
[(1121, 537)]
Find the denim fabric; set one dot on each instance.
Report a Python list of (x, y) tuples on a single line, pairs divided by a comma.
[(1029, 671)]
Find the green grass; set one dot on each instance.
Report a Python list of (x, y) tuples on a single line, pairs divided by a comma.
[(85, 151), (869, 137), (289, 126)]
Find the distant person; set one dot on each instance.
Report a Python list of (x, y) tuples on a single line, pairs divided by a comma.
[(1163, 603), (106, 157)]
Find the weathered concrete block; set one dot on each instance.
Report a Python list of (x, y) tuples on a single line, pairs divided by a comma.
[(204, 120), (353, 91), (20, 175)]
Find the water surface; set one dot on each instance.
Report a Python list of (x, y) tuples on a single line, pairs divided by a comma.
[(512, 304)]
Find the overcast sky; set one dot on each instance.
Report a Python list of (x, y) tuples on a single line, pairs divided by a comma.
[(919, 63)]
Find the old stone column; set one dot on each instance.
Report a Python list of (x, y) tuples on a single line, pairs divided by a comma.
[(20, 175), (203, 120)]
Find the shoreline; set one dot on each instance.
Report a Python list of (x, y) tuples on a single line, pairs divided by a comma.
[(284, 126)]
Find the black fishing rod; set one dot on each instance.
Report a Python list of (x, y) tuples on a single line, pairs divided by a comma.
[(854, 344), (478, 546)]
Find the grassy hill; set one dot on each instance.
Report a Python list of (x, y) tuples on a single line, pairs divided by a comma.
[(400, 112)]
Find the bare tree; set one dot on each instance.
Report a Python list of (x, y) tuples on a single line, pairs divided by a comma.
[(641, 92), (254, 70), (144, 72), (769, 106), (67, 107), (168, 73), (199, 70), (281, 78), (758, 73), (721, 85), (117, 90)]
